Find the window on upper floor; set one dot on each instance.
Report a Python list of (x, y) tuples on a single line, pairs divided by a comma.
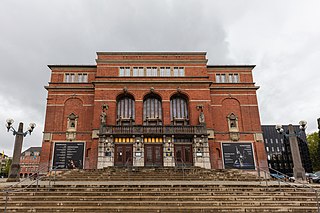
[(138, 71), (227, 78), (178, 71), (165, 71), (125, 110), (152, 71), (82, 77), (75, 77), (179, 110), (124, 71), (233, 78), (152, 110)]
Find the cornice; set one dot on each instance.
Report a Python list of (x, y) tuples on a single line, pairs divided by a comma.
[(152, 53), (146, 61)]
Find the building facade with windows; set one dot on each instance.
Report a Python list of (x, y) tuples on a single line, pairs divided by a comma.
[(279, 151), (29, 161), (156, 109)]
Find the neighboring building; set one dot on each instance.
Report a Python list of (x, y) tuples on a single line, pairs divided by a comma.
[(3, 162), (279, 152), (29, 161), (152, 109)]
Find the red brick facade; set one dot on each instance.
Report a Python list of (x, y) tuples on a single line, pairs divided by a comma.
[(232, 99)]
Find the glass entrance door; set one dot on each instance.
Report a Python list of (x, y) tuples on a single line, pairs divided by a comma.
[(153, 155), (123, 155), (183, 154)]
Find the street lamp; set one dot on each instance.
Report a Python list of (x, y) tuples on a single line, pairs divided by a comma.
[(15, 166), (298, 170)]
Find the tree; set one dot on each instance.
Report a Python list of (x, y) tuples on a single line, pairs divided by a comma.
[(313, 144)]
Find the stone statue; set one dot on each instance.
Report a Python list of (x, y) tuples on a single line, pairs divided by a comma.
[(201, 118), (201, 115), (103, 116)]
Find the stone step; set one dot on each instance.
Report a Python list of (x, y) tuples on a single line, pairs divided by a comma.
[(160, 203), (160, 197), (167, 209)]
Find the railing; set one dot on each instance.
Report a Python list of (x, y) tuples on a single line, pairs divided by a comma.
[(128, 166), (140, 129), (35, 178), (181, 165), (286, 180)]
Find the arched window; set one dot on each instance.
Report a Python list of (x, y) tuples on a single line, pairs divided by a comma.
[(152, 110), (179, 110), (125, 110)]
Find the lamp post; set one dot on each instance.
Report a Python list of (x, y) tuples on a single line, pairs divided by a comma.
[(19, 135), (298, 170)]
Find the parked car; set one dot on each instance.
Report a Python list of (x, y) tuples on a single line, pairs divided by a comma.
[(313, 177), (276, 176)]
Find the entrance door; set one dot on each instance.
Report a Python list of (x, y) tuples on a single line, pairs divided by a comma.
[(123, 155), (153, 155), (183, 154)]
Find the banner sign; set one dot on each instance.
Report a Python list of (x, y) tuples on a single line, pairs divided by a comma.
[(238, 156), (68, 155)]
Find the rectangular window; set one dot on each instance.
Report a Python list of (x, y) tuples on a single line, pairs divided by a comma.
[(121, 71), (149, 71), (141, 71), (167, 71), (218, 78), (69, 77), (162, 73), (138, 71), (222, 78), (176, 71), (127, 71), (82, 77), (181, 71), (135, 71), (154, 71), (233, 78), (66, 77)]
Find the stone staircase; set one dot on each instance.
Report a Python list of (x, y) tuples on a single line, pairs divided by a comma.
[(160, 190), (152, 174)]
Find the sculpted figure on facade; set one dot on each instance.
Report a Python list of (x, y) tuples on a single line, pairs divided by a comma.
[(103, 116)]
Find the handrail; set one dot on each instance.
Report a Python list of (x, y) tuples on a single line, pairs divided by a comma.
[(36, 177), (183, 166), (296, 183), (127, 166)]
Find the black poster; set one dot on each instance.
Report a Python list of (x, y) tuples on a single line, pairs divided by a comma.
[(68, 155), (238, 156)]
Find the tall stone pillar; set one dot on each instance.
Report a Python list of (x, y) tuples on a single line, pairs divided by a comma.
[(298, 170)]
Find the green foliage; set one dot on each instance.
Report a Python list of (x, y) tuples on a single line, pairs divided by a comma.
[(314, 146), (8, 165)]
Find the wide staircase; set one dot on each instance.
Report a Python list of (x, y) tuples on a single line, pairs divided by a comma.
[(157, 190)]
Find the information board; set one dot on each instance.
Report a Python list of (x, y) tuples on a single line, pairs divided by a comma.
[(238, 156), (68, 155)]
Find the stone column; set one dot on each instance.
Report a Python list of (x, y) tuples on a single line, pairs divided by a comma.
[(138, 152), (14, 175), (298, 170), (168, 152), (201, 155)]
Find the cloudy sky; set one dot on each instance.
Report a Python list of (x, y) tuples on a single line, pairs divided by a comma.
[(281, 37)]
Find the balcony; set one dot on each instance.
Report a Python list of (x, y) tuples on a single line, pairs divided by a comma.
[(153, 130)]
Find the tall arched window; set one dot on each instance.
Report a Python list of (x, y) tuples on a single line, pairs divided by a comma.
[(152, 110), (179, 110), (125, 110)]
